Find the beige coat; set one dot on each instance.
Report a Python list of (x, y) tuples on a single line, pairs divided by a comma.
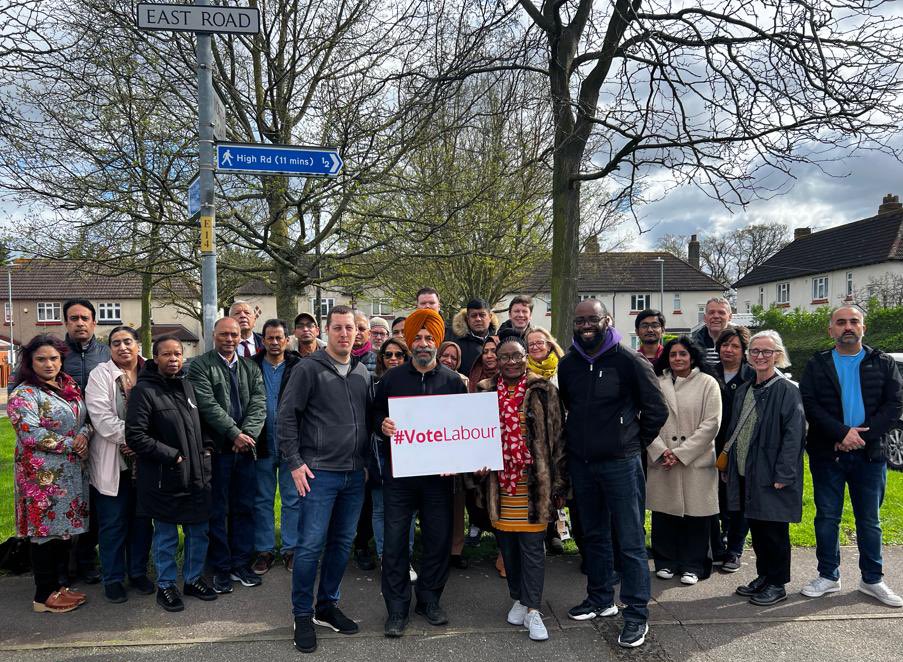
[(694, 414)]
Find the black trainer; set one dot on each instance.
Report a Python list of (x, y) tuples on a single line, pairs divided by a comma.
[(169, 599), (114, 592), (142, 585), (222, 583), (752, 588), (395, 625), (586, 611), (199, 589), (305, 637), (731, 563), (364, 560), (246, 576), (332, 617), (769, 595), (432, 612), (633, 634)]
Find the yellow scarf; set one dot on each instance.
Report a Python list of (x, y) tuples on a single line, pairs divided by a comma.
[(545, 368)]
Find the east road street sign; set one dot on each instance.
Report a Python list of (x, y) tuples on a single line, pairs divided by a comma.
[(278, 160), (198, 18)]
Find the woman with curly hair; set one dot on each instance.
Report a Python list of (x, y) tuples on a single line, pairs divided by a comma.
[(51, 482)]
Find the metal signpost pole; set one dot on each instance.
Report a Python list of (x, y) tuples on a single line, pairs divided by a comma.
[(205, 167)]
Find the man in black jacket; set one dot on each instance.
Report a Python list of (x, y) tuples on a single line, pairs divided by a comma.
[(174, 470), (432, 495), (852, 396), (324, 435), (276, 364), (615, 409)]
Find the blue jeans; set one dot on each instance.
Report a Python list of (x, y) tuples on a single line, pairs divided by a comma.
[(264, 524), (124, 539), (613, 493), (166, 542), (328, 520), (867, 481), (232, 516), (378, 520)]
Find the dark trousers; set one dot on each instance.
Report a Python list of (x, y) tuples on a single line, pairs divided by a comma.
[(771, 542), (124, 538), (729, 528), (524, 555), (432, 496), (476, 514), (681, 544), (365, 522), (46, 559), (232, 516), (612, 494)]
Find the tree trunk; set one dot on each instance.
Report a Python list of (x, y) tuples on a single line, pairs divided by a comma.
[(565, 240), (147, 284)]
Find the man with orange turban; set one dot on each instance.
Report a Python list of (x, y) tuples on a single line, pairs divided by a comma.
[(432, 495)]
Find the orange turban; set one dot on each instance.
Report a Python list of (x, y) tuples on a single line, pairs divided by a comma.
[(424, 318)]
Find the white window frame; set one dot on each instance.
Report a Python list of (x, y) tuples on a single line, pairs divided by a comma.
[(782, 292), (676, 301), (849, 283), (762, 296), (7, 313), (819, 288), (109, 312), (381, 306), (700, 313), (326, 304), (55, 308), (635, 298), (634, 341)]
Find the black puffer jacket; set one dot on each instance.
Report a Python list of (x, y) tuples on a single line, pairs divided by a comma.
[(881, 394), (80, 361), (162, 423)]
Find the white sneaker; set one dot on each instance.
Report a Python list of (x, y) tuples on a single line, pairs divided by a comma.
[(689, 578), (412, 573), (533, 623), (517, 613), (820, 586), (882, 592), (664, 573)]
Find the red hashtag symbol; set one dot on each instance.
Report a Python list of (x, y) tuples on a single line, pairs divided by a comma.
[(399, 436)]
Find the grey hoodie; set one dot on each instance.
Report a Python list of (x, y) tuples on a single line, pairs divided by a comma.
[(324, 418)]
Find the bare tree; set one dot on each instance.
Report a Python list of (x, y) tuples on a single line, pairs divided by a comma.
[(887, 290)]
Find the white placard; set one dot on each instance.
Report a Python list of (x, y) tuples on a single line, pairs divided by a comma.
[(445, 434)]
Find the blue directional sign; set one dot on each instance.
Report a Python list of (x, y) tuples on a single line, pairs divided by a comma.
[(278, 160)]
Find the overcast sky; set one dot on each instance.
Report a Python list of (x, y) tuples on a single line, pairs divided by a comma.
[(816, 200)]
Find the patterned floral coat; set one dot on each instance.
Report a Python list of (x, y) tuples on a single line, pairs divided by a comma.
[(51, 481)]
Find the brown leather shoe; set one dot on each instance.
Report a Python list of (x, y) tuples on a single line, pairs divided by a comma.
[(288, 560), (76, 596), (263, 563), (56, 603)]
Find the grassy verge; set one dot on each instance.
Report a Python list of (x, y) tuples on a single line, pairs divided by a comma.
[(801, 535)]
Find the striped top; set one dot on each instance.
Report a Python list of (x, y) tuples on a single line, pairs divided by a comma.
[(514, 509)]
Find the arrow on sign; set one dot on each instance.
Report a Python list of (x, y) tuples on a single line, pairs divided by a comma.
[(260, 159)]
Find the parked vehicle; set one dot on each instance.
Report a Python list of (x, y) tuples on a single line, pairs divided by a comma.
[(895, 440)]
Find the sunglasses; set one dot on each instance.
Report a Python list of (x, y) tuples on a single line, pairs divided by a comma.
[(393, 355)]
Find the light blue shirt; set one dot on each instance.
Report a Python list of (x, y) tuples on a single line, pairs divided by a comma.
[(272, 380), (847, 368)]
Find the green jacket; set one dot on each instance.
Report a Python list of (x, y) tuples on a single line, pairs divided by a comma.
[(210, 378)]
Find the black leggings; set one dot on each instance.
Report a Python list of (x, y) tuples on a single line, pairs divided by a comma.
[(46, 558)]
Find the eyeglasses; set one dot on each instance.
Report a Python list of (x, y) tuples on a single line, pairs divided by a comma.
[(583, 321), (393, 355), (654, 326), (477, 314), (767, 353), (511, 358), (537, 343)]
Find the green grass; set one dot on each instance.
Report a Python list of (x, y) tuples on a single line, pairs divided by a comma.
[(801, 535)]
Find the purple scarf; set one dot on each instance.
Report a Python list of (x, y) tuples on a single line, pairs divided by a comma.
[(612, 338)]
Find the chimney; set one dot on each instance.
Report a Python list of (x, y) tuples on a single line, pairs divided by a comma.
[(890, 203), (693, 252), (592, 245), (799, 233)]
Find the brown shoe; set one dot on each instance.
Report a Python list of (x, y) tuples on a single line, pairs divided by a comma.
[(75, 596), (263, 563), (500, 566), (56, 603), (288, 560)]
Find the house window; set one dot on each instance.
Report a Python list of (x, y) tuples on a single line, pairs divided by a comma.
[(325, 306), (676, 301), (382, 307), (782, 294), (584, 297), (7, 312), (820, 288), (849, 283), (109, 312), (50, 311), (700, 313), (639, 302), (762, 297), (634, 341)]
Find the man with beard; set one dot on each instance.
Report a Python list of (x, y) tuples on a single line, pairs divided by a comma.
[(650, 327), (852, 397), (431, 495), (615, 409), (307, 335), (472, 326)]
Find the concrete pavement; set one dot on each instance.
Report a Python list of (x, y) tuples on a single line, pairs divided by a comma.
[(702, 622)]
